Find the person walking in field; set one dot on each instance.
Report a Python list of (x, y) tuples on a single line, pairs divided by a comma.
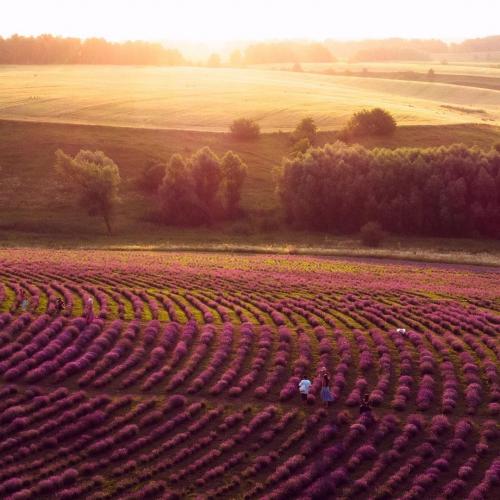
[(326, 393), (59, 305), (365, 409), (304, 386), (365, 406), (24, 301), (89, 310)]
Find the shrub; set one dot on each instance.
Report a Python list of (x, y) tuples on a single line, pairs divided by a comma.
[(244, 129), (372, 234), (370, 122)]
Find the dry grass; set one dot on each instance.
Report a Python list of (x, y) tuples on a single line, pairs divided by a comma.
[(209, 99)]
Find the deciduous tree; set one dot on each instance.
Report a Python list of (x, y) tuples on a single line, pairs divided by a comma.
[(94, 177)]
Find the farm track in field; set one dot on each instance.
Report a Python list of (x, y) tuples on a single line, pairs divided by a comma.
[(184, 384)]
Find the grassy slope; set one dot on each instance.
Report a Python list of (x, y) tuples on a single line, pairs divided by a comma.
[(35, 212), (209, 99)]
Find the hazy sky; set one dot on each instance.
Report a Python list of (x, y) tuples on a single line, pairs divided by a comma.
[(221, 20)]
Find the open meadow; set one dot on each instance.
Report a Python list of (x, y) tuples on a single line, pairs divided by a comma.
[(209, 99), (180, 379)]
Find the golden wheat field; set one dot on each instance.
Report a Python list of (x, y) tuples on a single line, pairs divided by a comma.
[(209, 99)]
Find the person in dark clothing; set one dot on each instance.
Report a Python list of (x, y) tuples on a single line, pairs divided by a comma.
[(365, 406), (59, 305)]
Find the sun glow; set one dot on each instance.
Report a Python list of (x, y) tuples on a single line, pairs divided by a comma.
[(224, 20)]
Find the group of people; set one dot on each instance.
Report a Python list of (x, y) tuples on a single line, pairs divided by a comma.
[(326, 394), (59, 307)]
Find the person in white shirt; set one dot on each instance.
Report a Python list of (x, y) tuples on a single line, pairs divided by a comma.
[(304, 386)]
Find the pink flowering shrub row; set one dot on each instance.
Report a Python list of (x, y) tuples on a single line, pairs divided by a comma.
[(242, 351), (258, 362), (168, 339), (300, 366), (197, 356), (280, 361), (120, 349), (489, 434), (42, 349), (180, 351), (384, 366), (217, 360)]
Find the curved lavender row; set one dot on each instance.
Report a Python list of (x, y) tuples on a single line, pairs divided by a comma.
[(168, 305), (300, 366), (7, 352), (114, 355), (206, 337), (179, 352), (79, 360), (246, 339), (258, 362), (157, 355), (42, 347), (134, 356), (222, 353), (62, 349), (280, 361)]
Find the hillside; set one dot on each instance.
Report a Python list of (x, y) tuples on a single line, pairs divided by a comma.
[(208, 99), (27, 156), (34, 211)]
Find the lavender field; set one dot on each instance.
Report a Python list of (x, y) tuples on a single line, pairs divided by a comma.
[(182, 380)]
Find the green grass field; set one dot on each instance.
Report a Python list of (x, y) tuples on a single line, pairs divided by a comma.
[(34, 211), (207, 99)]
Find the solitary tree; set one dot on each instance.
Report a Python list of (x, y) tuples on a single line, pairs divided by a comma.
[(376, 121), (245, 129), (234, 171), (94, 177)]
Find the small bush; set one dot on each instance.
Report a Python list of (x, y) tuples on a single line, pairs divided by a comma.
[(369, 122), (372, 234), (245, 129)]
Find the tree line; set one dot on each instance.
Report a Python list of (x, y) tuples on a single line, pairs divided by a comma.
[(48, 49), (444, 191), (340, 188)]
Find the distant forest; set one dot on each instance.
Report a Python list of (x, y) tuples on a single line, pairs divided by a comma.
[(393, 49), (48, 49)]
